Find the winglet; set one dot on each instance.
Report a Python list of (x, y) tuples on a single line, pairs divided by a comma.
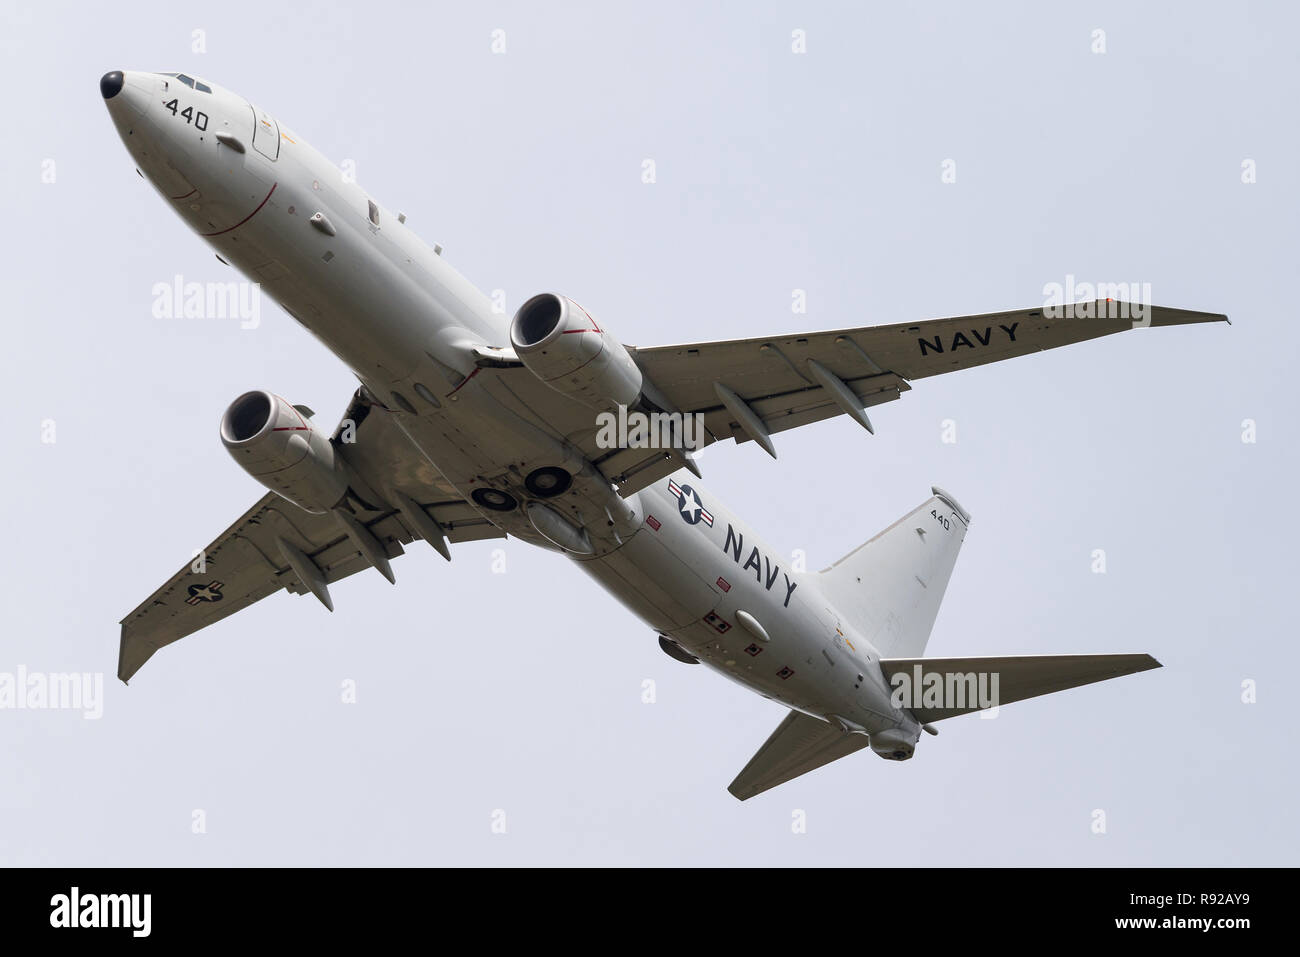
[(1169, 316), (129, 656)]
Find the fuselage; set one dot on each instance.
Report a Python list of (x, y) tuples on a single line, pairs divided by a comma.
[(408, 324)]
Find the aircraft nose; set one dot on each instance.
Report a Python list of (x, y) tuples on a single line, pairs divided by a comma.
[(110, 84)]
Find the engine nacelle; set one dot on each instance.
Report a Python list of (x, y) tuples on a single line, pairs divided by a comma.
[(278, 445), (560, 343)]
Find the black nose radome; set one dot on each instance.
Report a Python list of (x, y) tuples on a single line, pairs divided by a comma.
[(110, 84)]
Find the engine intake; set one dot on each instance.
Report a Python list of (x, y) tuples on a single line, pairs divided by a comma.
[(560, 343), (278, 445)]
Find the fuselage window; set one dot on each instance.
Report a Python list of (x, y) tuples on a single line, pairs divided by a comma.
[(374, 212)]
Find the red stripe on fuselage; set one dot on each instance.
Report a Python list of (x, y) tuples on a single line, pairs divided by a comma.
[(246, 218)]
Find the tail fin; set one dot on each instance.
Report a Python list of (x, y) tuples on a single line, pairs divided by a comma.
[(890, 588)]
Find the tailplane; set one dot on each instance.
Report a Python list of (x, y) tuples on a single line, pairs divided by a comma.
[(943, 688), (799, 744), (937, 688), (890, 588)]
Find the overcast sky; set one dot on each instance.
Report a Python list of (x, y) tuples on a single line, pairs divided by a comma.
[(522, 692)]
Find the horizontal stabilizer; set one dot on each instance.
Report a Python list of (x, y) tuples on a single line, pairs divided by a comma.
[(798, 745), (962, 685)]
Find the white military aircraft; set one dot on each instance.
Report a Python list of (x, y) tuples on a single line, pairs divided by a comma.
[(465, 428)]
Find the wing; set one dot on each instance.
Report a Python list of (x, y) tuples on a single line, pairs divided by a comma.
[(749, 388), (276, 545)]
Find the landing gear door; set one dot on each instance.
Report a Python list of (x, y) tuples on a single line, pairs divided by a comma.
[(266, 134)]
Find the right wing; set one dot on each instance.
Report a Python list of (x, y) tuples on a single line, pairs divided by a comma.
[(750, 389), (798, 745), (783, 380), (254, 557)]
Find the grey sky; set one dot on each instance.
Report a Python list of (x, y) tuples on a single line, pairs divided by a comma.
[(522, 691)]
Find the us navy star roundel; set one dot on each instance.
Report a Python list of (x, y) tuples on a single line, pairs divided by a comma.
[(201, 593), (688, 503)]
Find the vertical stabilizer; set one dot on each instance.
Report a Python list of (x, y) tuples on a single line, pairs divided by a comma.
[(890, 588)]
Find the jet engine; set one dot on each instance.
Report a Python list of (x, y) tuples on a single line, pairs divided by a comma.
[(559, 342), (277, 444)]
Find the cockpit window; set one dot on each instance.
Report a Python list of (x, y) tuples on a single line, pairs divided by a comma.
[(192, 83)]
